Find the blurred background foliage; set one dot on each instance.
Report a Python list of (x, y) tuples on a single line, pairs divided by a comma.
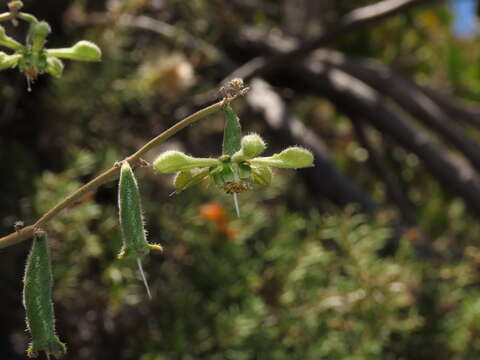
[(297, 276)]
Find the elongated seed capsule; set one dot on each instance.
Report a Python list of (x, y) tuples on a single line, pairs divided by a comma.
[(131, 220), (37, 300)]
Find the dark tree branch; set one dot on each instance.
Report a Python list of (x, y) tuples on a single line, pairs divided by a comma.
[(323, 179), (355, 98), (455, 109), (353, 20), (408, 96)]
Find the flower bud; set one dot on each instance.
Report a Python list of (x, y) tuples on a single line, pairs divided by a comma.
[(8, 61), (81, 51), (9, 42), (252, 145), (293, 157), (54, 66), (38, 34), (172, 161)]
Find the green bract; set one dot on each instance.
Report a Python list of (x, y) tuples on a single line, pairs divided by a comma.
[(37, 299), (251, 145), (81, 51), (291, 158), (54, 66), (37, 36), (8, 61)]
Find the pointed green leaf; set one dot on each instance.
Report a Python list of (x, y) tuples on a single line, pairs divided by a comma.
[(232, 133)]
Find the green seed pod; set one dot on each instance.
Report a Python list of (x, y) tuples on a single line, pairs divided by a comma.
[(173, 161), (9, 42), (81, 51), (37, 35), (54, 66), (232, 132), (9, 61), (293, 158), (187, 178), (37, 300), (252, 145), (131, 218)]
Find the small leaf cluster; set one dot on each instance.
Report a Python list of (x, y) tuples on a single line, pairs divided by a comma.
[(238, 167), (33, 59)]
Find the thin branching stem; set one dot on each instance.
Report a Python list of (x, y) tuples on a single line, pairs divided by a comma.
[(107, 176)]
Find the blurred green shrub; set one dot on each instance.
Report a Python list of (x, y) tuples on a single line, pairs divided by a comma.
[(275, 284)]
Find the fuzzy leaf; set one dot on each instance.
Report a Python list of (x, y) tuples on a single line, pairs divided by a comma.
[(292, 158)]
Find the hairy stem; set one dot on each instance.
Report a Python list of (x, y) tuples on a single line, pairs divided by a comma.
[(107, 176)]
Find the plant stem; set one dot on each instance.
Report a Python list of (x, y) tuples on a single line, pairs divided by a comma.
[(108, 175)]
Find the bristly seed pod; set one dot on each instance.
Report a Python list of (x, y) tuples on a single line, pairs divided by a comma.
[(37, 300), (131, 220)]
